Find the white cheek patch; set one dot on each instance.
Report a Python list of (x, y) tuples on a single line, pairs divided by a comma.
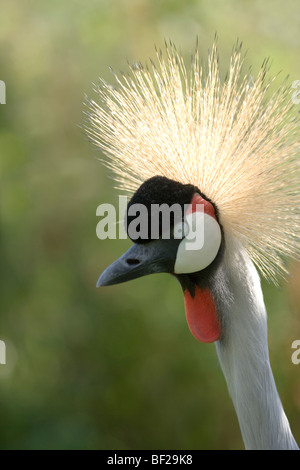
[(201, 243)]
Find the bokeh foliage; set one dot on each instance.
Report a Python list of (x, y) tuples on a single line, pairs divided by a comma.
[(115, 367)]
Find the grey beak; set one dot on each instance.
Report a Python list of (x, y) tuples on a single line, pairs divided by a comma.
[(156, 256)]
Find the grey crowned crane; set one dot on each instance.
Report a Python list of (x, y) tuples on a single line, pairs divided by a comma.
[(180, 135)]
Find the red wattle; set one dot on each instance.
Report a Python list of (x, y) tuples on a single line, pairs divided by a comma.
[(201, 315)]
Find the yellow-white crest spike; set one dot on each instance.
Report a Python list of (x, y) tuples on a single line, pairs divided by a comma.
[(233, 139)]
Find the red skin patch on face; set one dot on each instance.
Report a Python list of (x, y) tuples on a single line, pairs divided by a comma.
[(208, 207), (200, 310)]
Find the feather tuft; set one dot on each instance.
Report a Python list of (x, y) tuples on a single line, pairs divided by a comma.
[(233, 139)]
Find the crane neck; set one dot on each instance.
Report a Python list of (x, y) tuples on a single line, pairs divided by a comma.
[(244, 356)]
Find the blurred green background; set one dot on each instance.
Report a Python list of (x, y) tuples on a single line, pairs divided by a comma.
[(111, 368)]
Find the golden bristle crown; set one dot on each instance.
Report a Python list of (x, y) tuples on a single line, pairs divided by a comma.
[(233, 139)]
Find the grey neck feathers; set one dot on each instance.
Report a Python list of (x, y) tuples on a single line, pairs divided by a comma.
[(244, 356)]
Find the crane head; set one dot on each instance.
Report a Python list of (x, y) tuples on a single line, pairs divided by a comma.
[(233, 138), (178, 233)]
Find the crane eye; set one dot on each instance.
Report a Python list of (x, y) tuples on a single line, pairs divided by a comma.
[(200, 244), (180, 230)]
